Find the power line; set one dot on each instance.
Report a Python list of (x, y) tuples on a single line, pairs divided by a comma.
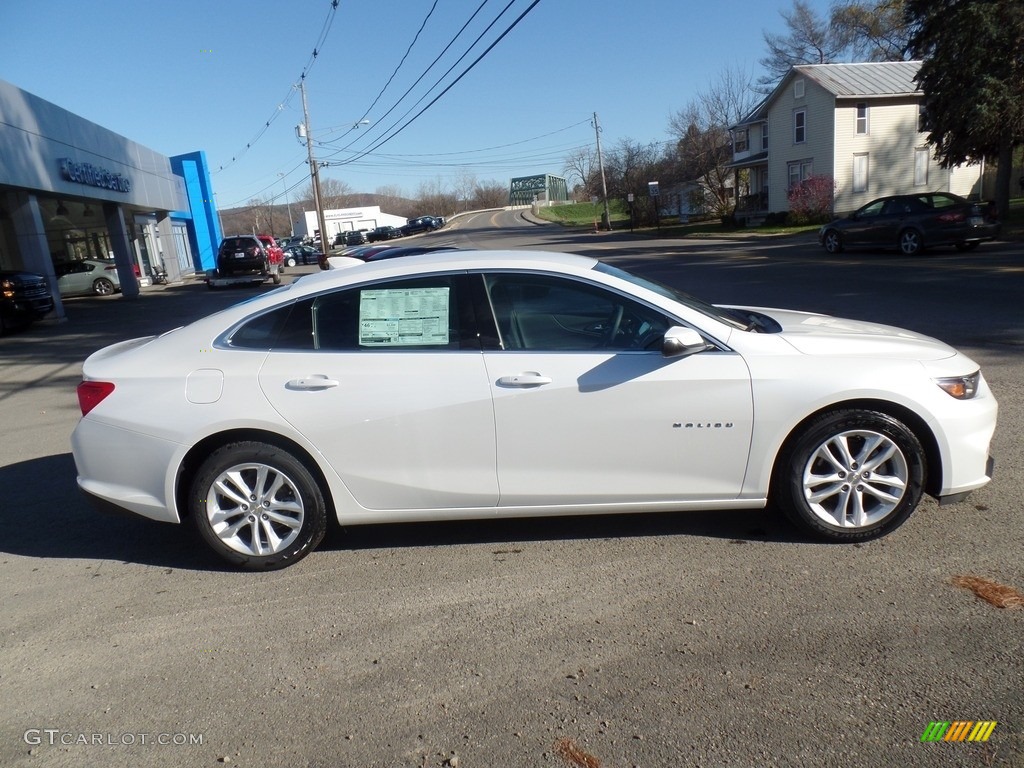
[(465, 72), (321, 39)]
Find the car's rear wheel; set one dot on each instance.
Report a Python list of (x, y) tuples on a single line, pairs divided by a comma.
[(850, 475), (102, 286), (257, 506), (833, 242), (910, 242)]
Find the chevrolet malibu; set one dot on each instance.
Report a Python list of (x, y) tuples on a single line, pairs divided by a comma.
[(470, 385)]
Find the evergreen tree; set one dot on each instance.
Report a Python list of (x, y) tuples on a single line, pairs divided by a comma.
[(972, 76)]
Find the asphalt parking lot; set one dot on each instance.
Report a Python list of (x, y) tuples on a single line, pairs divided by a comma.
[(653, 640)]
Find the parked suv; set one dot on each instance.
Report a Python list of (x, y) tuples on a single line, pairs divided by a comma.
[(421, 224), (24, 297), (243, 255), (383, 233)]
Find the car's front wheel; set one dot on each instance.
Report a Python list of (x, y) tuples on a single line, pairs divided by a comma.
[(850, 475), (257, 506), (910, 242), (833, 242)]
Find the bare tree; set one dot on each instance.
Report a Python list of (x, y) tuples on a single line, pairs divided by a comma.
[(490, 194), (809, 39), (701, 129), (465, 183), (392, 200), (581, 172), (433, 199), (873, 31)]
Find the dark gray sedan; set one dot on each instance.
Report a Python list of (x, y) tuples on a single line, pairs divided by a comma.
[(912, 223)]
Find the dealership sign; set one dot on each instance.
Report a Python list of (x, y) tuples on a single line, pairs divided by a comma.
[(85, 173)]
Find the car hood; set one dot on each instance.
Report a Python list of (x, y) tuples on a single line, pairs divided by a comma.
[(814, 334)]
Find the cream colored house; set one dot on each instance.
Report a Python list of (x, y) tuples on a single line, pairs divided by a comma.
[(858, 123)]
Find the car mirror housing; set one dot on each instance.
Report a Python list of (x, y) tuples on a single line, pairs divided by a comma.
[(680, 342)]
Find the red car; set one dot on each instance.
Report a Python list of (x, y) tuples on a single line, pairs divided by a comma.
[(274, 251)]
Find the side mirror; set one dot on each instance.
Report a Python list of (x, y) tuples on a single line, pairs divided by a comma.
[(681, 342)]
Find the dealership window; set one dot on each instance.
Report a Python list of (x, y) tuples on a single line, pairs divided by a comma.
[(862, 119), (860, 172), (799, 172), (740, 140), (799, 126), (921, 167)]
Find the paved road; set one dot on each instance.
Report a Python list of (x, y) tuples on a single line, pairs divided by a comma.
[(661, 640)]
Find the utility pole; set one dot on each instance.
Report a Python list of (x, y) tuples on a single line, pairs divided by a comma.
[(600, 163), (314, 169)]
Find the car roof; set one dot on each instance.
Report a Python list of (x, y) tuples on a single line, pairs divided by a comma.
[(427, 263)]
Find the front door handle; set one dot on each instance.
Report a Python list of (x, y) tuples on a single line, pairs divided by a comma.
[(312, 383), (524, 379)]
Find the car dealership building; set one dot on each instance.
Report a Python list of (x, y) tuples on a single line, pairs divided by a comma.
[(71, 189)]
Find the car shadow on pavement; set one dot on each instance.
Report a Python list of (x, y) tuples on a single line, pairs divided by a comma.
[(738, 526), (49, 517), (45, 515)]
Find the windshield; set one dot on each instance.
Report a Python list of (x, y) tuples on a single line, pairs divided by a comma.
[(727, 316)]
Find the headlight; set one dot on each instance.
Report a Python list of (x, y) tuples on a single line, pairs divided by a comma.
[(960, 387)]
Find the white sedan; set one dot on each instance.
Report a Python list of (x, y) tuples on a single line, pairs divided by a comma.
[(462, 385)]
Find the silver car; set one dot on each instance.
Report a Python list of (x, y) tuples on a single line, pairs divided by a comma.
[(87, 277)]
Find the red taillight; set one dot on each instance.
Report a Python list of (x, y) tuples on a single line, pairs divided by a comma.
[(952, 218), (107, 269), (92, 393)]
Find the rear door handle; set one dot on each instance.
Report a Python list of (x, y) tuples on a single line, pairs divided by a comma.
[(312, 383), (524, 379)]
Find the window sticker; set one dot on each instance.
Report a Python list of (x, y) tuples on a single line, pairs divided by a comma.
[(400, 317)]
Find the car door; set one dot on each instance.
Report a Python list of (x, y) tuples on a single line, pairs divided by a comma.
[(588, 410), (867, 225), (388, 382), (75, 277)]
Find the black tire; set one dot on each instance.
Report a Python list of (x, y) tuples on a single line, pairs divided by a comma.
[(101, 286), (276, 277), (291, 518), (290, 261), (843, 501), (833, 241), (910, 242)]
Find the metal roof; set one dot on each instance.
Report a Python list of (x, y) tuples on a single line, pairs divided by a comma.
[(881, 78)]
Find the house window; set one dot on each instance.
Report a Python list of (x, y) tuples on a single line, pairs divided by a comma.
[(860, 172), (764, 136), (862, 119), (740, 140), (799, 172), (920, 117), (921, 167), (799, 126), (798, 89)]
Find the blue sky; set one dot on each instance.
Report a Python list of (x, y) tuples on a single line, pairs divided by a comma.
[(209, 75)]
